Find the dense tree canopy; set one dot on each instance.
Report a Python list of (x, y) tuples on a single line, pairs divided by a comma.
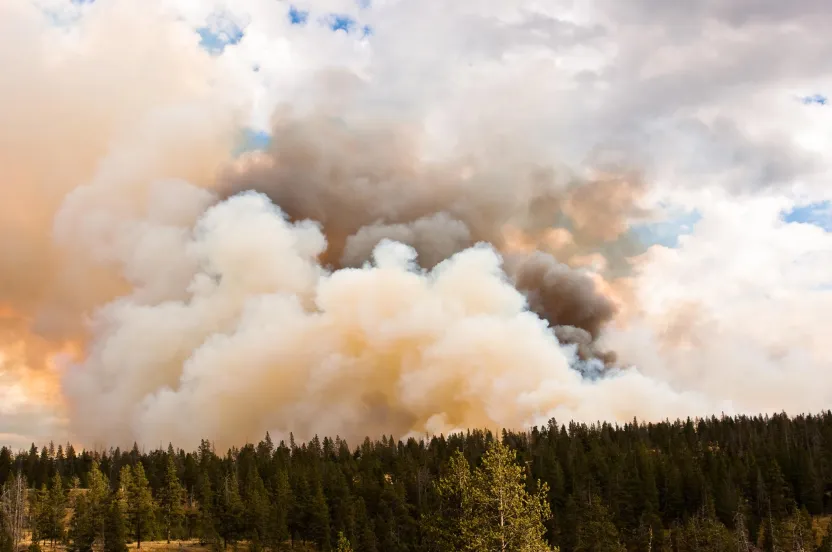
[(744, 483)]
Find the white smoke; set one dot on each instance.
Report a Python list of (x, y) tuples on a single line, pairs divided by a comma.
[(261, 337)]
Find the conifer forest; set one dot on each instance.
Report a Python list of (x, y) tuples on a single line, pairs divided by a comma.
[(717, 484)]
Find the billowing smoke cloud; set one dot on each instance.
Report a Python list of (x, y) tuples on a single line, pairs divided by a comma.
[(435, 237), (68, 98), (369, 180), (354, 278), (364, 291), (264, 337), (247, 304)]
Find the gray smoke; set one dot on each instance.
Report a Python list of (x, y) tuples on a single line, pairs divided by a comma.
[(367, 179)]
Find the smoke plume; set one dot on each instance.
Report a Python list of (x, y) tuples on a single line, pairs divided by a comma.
[(346, 280), (356, 277), (367, 181)]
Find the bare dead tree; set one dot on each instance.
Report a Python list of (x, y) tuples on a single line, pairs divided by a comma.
[(13, 505), (742, 536)]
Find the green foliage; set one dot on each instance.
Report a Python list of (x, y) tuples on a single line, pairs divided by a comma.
[(688, 485), (139, 506), (343, 544), (491, 508), (171, 500), (115, 531), (704, 534), (93, 519), (280, 504), (56, 505), (594, 528), (229, 510), (82, 528)]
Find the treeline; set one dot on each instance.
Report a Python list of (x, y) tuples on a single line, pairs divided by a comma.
[(718, 484)]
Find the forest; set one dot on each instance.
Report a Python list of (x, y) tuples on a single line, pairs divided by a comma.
[(714, 484)]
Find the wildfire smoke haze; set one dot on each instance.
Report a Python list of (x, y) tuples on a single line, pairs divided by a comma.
[(402, 258)]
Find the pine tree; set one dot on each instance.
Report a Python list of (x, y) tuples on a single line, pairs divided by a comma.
[(207, 510), (82, 527), (56, 504), (229, 510), (365, 536), (89, 519), (508, 517), (594, 528), (279, 510), (171, 499), (493, 509), (39, 514), (443, 522), (318, 517), (139, 507), (115, 532), (96, 498), (343, 544), (256, 508), (705, 534)]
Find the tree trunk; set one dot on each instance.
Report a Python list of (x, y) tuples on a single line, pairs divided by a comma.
[(13, 503)]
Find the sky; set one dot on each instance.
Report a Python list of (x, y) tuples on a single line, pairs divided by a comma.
[(723, 106)]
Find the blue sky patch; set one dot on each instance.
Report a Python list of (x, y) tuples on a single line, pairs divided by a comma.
[(252, 140), (339, 22), (817, 99), (335, 21), (818, 214), (667, 232), (297, 17), (219, 33)]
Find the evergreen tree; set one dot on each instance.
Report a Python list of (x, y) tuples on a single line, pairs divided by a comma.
[(115, 532), (256, 508), (756, 483), (594, 528), (318, 517), (343, 544), (506, 515), (39, 514), (281, 498), (207, 510), (139, 504), (705, 534), (171, 499), (365, 536), (494, 511), (82, 527), (55, 506), (453, 507), (96, 502), (229, 510)]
